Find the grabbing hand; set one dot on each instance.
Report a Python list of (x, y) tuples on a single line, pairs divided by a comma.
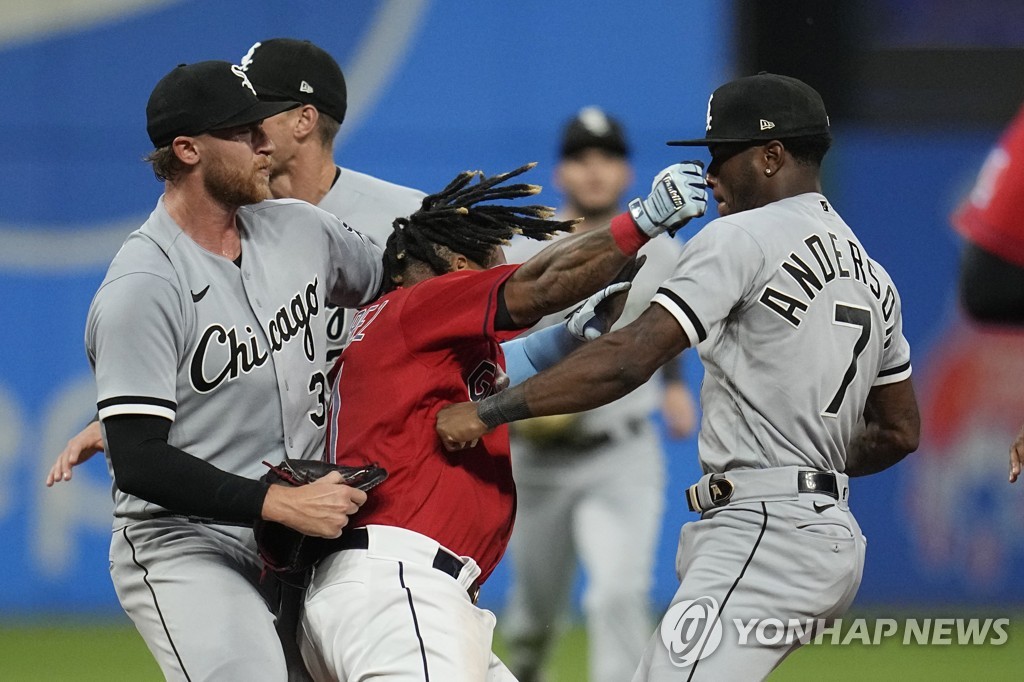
[(599, 312), (678, 194), (320, 509), (459, 426)]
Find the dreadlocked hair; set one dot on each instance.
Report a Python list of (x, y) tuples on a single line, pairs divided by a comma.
[(455, 220)]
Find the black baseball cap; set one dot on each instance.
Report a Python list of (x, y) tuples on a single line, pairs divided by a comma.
[(762, 107), (592, 127), (196, 98), (297, 70)]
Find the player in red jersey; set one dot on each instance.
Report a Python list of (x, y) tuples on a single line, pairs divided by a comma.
[(398, 597), (991, 220)]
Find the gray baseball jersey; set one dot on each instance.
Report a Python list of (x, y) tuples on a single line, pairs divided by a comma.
[(794, 324), (233, 355), (369, 205)]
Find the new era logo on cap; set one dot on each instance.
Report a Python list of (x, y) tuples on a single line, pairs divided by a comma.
[(766, 125), (305, 87)]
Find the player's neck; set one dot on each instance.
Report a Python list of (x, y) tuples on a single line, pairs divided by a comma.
[(309, 176), (208, 222)]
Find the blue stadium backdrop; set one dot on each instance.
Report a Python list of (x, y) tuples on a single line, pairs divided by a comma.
[(437, 87)]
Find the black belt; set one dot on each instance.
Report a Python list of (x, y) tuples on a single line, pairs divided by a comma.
[(720, 488), (359, 538)]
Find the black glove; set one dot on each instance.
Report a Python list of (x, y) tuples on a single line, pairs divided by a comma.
[(288, 552)]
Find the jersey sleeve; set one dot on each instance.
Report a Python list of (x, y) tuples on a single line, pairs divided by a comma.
[(355, 264), (718, 269), (135, 340), (895, 351), (443, 311)]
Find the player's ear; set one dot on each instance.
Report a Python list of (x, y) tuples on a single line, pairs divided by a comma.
[(458, 262), (306, 118), (184, 147), (774, 156)]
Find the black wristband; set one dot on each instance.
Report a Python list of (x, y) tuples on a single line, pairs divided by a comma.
[(502, 408)]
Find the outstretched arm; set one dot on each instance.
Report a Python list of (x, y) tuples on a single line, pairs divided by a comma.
[(579, 265), (528, 355), (892, 429), (598, 373)]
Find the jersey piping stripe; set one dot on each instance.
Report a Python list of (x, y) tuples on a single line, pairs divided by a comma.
[(136, 404), (693, 334), (721, 608), (137, 399), (898, 369), (894, 375), (156, 603), (415, 621), (702, 333)]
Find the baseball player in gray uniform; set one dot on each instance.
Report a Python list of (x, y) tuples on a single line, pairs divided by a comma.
[(807, 382), (567, 470), (302, 167), (208, 341)]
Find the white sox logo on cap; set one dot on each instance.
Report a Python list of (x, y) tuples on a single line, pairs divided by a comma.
[(239, 71), (247, 58)]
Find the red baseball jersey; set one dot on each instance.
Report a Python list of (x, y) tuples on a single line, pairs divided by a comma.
[(993, 215), (413, 351)]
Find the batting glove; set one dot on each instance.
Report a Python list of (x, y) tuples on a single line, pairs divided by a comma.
[(587, 322), (677, 194)]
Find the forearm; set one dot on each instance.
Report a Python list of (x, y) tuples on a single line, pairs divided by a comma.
[(147, 466), (526, 356), (570, 270), (875, 449), (592, 376)]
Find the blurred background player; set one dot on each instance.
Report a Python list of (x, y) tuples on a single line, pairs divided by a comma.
[(566, 466), (991, 221)]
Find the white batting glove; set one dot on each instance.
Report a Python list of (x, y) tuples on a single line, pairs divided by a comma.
[(677, 194), (587, 323)]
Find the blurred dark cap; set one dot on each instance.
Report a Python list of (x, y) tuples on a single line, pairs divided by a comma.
[(196, 98), (297, 70), (591, 128)]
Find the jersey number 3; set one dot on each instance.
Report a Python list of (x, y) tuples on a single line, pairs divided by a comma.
[(849, 316)]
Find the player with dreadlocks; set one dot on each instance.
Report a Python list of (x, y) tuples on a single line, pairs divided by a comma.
[(396, 598)]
